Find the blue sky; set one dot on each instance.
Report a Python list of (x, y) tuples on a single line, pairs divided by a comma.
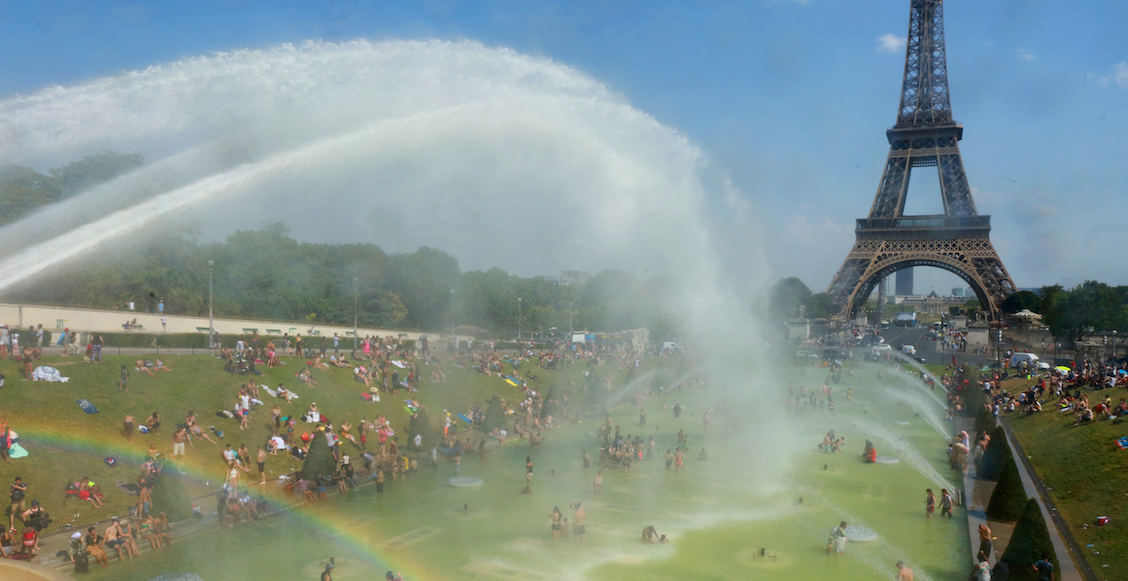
[(789, 97)]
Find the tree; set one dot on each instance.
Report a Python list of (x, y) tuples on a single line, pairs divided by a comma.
[(1009, 497), (79, 176), (1022, 300), (1087, 308), (818, 305), (23, 190), (995, 456), (1029, 541), (786, 297)]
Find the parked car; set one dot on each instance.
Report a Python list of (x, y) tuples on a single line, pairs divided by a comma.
[(882, 348), (806, 355), (920, 359)]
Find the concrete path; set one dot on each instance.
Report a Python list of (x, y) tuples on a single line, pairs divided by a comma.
[(56, 319)]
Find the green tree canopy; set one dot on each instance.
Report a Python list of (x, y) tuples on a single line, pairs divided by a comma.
[(1022, 300)]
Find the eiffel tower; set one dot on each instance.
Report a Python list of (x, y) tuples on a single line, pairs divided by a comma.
[(925, 135)]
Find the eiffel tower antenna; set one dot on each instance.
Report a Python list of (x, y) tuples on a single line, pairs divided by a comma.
[(925, 135)]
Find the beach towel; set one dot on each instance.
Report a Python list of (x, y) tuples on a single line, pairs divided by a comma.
[(1122, 443), (465, 419), (399, 364), (511, 382), (87, 406), (44, 373), (16, 451)]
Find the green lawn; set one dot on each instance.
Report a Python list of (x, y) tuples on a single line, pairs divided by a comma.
[(1086, 473), (64, 443)]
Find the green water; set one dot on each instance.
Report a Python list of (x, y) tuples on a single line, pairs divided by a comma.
[(718, 513)]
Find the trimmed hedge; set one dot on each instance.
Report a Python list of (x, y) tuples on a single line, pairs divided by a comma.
[(995, 457), (171, 497), (319, 461), (1009, 497), (1028, 542)]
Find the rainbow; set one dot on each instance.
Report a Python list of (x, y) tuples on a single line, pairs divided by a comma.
[(366, 542)]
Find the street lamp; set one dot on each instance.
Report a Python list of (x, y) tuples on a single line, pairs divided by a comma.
[(1114, 346), (354, 314), (211, 321), (569, 322), (452, 313), (518, 318)]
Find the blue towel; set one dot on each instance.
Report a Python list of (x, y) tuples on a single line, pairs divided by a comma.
[(87, 406)]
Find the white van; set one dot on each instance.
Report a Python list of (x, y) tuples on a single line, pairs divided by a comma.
[(1030, 359), (908, 349)]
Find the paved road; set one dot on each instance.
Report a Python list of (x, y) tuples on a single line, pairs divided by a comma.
[(930, 350)]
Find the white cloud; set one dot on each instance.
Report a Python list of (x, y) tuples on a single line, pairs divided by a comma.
[(1025, 55), (1119, 76), (890, 43)]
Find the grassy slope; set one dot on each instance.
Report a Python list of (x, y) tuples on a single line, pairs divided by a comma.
[(1086, 472), (64, 443)]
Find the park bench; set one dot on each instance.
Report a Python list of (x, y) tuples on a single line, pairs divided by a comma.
[(274, 331), (250, 330), (132, 327)]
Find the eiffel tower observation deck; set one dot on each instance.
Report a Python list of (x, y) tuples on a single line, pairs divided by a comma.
[(925, 135)]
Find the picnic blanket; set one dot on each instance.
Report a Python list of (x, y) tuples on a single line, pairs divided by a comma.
[(16, 451), (1122, 443), (274, 393), (465, 419), (44, 373), (87, 406), (399, 364)]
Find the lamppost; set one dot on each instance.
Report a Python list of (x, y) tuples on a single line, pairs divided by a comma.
[(452, 313), (518, 318), (355, 311), (211, 321), (1114, 346), (569, 322)]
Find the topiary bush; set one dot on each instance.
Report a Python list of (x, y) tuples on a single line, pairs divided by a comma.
[(319, 460), (984, 422), (1028, 542), (1009, 497), (995, 457), (171, 497), (495, 416), (421, 424)]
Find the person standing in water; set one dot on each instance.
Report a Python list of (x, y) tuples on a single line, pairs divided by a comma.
[(597, 484), (327, 574), (839, 538), (929, 503), (677, 409), (904, 573), (945, 503), (528, 475), (556, 516), (579, 518)]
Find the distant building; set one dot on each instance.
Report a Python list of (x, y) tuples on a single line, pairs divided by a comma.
[(957, 292), (904, 284)]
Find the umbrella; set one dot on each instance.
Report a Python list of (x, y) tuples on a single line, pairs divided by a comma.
[(1062, 368)]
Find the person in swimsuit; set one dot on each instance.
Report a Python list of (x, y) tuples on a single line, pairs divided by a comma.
[(556, 516), (929, 503)]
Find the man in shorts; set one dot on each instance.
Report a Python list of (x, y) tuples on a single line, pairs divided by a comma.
[(178, 438), (579, 517)]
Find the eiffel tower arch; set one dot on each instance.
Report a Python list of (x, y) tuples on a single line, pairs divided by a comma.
[(925, 135)]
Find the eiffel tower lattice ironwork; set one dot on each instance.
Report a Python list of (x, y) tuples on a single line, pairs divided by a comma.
[(925, 135)]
